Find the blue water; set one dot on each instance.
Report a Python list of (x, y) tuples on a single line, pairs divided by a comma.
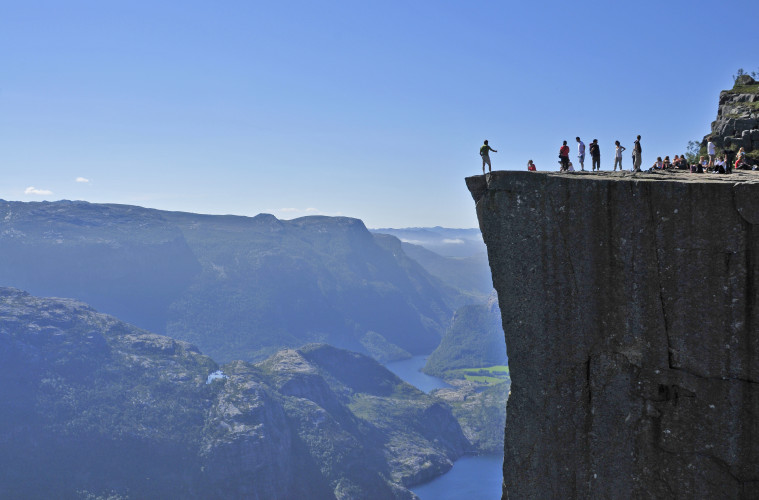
[(471, 478), (410, 371)]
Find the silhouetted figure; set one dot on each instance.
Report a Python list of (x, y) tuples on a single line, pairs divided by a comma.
[(484, 152)]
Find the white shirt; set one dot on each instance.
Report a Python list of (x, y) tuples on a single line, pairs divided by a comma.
[(710, 148), (580, 148)]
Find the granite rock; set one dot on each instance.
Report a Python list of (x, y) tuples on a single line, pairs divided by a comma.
[(630, 311)]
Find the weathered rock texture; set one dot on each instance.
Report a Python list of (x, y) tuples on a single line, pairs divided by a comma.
[(629, 306), (737, 123)]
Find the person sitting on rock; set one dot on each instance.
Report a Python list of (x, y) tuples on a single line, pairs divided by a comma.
[(682, 164), (658, 164), (740, 161), (719, 166), (531, 166), (667, 164)]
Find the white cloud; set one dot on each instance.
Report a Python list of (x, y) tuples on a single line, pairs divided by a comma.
[(311, 209), (289, 210), (457, 241), (82, 179), (34, 190)]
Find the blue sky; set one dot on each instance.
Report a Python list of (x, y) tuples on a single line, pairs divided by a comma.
[(373, 110)]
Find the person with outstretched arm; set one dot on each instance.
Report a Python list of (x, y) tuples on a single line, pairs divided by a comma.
[(484, 152)]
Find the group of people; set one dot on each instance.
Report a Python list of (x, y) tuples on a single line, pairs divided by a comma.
[(595, 154), (723, 164)]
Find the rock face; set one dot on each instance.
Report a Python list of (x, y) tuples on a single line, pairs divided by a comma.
[(737, 123), (630, 310), (94, 407)]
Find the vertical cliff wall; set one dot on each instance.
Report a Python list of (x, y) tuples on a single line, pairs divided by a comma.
[(629, 306)]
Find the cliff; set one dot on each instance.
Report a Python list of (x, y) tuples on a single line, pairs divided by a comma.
[(629, 306), (737, 123)]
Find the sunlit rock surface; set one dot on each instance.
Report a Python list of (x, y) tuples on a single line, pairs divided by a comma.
[(629, 305)]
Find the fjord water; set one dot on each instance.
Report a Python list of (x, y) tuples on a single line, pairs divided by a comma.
[(410, 370), (472, 477)]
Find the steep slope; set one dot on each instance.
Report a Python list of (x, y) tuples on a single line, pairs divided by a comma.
[(238, 287), (93, 406), (474, 340), (631, 330), (470, 275)]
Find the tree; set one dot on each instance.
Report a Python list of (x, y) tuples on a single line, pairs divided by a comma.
[(692, 151)]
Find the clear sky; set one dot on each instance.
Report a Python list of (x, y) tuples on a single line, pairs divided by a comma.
[(373, 110)]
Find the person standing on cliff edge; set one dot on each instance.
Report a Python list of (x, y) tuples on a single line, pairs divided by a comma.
[(564, 157), (595, 155), (637, 156), (581, 153), (484, 150)]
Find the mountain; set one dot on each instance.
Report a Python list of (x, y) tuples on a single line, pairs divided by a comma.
[(474, 340), (238, 287), (448, 242), (470, 275), (94, 407)]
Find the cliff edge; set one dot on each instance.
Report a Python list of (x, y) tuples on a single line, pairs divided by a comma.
[(629, 306)]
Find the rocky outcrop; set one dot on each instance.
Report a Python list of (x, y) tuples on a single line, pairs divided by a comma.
[(737, 123), (92, 406), (631, 316)]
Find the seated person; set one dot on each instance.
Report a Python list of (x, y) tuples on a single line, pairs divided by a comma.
[(531, 166), (658, 164), (666, 164), (740, 162), (719, 166), (683, 163)]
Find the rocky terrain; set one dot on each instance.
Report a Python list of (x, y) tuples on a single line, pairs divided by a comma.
[(94, 407), (631, 330), (737, 123), (237, 287)]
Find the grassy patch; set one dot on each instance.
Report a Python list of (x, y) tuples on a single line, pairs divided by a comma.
[(487, 375), (745, 89)]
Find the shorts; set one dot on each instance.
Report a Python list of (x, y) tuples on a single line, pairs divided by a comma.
[(581, 158), (485, 159)]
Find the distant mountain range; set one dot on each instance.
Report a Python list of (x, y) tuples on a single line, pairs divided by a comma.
[(238, 287), (96, 408), (448, 242)]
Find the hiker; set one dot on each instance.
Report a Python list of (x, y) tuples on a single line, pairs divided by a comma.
[(595, 155), (667, 164), (581, 153), (531, 166), (564, 157), (658, 164), (711, 151), (484, 152), (618, 155), (637, 155)]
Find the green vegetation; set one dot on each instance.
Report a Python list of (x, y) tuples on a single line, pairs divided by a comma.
[(745, 89), (488, 375), (474, 339)]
